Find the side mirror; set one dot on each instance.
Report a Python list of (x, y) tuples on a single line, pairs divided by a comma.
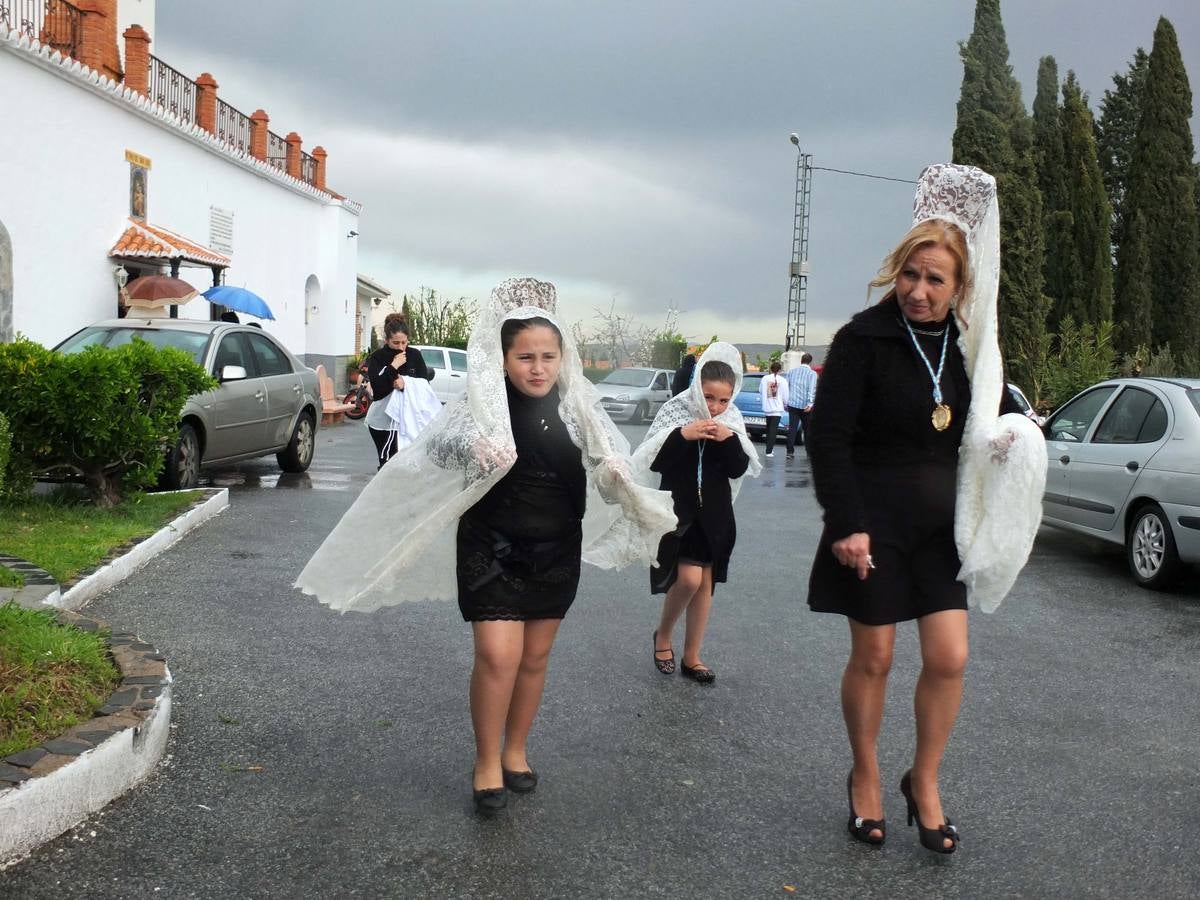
[(232, 373)]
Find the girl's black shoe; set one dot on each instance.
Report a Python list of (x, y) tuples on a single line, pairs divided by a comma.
[(702, 674), (931, 838), (520, 782), (490, 800), (666, 666), (860, 828)]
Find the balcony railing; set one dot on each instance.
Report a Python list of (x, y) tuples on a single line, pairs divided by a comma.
[(172, 90), (276, 151), (308, 168), (54, 23), (233, 126)]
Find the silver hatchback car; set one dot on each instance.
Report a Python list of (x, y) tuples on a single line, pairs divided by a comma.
[(634, 394), (266, 402), (1124, 466)]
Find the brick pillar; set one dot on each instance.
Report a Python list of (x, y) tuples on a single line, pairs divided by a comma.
[(259, 123), (137, 59), (293, 154), (58, 29), (98, 37), (320, 155), (206, 103)]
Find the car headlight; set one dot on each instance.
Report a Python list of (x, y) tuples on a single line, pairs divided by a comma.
[(621, 398)]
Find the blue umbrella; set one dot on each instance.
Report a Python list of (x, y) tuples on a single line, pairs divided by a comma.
[(240, 299)]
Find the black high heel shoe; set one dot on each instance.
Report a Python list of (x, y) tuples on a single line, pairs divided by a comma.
[(931, 838), (860, 828)]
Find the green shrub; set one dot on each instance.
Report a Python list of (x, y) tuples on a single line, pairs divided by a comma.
[(102, 416), (5, 448), (1077, 357)]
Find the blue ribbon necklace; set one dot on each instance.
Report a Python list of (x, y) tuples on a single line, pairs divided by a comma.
[(700, 474), (941, 412)]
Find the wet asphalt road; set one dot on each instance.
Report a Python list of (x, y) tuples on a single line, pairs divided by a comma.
[(1072, 772)]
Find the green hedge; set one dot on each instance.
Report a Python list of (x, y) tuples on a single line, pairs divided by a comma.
[(102, 416)]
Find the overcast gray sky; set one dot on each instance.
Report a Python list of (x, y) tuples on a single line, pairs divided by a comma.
[(635, 150)]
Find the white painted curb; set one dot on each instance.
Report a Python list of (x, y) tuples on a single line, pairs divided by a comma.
[(43, 807), (113, 573)]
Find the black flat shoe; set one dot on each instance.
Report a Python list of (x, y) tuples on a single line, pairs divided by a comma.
[(860, 828), (702, 674), (490, 800), (666, 666), (931, 838), (520, 782)]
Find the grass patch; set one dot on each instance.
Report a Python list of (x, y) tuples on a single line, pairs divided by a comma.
[(67, 537), (10, 578), (52, 676)]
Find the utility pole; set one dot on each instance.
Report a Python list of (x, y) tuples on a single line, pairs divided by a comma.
[(798, 271)]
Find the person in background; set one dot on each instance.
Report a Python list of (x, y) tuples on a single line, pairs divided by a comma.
[(773, 391), (683, 375), (387, 368), (802, 393)]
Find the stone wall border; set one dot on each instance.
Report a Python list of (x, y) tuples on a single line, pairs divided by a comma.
[(49, 788)]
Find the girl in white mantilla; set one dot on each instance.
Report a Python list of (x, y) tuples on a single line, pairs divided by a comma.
[(520, 481)]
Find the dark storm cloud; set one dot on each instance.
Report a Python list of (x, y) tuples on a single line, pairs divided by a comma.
[(634, 149)]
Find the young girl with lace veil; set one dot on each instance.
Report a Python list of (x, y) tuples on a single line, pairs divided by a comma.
[(516, 484), (698, 445)]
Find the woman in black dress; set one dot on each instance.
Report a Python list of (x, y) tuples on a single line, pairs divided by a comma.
[(518, 562), (886, 431), (387, 368)]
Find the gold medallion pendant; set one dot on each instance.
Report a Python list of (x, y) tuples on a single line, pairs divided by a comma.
[(941, 417)]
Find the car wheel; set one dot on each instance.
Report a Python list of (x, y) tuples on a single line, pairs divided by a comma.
[(299, 452), (182, 469), (639, 413), (1150, 549)]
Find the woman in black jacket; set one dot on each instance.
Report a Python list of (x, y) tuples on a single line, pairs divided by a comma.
[(387, 368)]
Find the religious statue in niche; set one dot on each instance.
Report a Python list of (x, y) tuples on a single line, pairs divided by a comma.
[(137, 193)]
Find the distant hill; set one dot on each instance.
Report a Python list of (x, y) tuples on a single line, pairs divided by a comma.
[(765, 350)]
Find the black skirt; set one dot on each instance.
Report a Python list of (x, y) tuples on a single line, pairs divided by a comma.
[(910, 519), (515, 579)]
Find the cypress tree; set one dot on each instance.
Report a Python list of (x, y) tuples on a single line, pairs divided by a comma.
[(1133, 303), (1115, 132), (1091, 293), (1059, 271), (994, 132), (1162, 188)]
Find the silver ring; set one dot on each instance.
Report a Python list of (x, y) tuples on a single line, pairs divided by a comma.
[(870, 562)]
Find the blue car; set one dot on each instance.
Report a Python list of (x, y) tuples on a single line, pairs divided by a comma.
[(749, 401)]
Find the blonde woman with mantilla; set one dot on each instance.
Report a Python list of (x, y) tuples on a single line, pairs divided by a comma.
[(932, 497), (518, 482)]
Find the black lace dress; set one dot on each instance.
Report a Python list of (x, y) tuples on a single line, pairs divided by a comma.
[(519, 546)]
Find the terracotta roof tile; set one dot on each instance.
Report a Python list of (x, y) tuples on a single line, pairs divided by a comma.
[(152, 241)]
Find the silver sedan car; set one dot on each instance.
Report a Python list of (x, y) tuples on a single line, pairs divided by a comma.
[(1124, 466), (267, 400)]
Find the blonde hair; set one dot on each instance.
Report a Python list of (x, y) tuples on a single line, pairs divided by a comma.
[(931, 232)]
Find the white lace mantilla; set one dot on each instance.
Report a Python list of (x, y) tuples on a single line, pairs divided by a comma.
[(457, 459), (1002, 459)]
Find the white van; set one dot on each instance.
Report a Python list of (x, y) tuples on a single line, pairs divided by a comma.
[(450, 371)]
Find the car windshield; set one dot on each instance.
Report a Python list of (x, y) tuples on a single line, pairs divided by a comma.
[(1018, 398), (630, 377), (750, 383), (190, 342)]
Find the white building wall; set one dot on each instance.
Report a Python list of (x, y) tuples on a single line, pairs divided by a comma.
[(66, 200)]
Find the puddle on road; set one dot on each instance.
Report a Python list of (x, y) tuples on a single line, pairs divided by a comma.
[(312, 480)]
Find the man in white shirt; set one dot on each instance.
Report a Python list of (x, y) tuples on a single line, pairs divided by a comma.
[(773, 391), (802, 391)]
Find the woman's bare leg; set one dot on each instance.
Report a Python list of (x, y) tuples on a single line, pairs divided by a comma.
[(498, 650), (864, 688), (938, 696), (527, 693)]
